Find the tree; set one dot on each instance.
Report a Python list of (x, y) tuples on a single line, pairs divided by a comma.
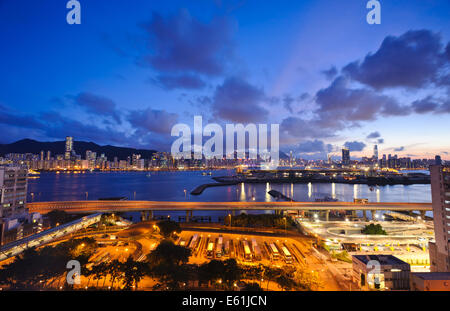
[(374, 229), (133, 272), (168, 227), (232, 273), (168, 263), (34, 267), (252, 287), (115, 271), (307, 280)]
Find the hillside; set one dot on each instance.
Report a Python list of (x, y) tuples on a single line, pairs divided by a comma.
[(80, 147)]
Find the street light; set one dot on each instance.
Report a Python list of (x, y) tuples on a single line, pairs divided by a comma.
[(185, 194)]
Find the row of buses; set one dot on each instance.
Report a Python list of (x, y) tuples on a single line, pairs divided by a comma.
[(248, 250)]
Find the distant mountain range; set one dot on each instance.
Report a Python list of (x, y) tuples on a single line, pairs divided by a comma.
[(80, 147)]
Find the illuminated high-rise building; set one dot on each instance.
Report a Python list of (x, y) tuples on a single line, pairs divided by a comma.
[(375, 152), (345, 156), (69, 147), (13, 194), (440, 195)]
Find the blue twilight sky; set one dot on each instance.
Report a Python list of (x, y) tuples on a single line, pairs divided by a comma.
[(133, 69)]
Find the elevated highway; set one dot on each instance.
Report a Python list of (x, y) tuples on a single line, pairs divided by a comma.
[(128, 206)]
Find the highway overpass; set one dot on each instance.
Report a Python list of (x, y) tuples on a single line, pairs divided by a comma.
[(129, 206)]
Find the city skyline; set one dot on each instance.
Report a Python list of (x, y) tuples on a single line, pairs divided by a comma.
[(128, 73)]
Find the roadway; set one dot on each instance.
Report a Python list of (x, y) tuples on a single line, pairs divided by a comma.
[(127, 206)]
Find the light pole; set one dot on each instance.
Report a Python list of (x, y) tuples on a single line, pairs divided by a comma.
[(185, 194), (87, 194), (230, 220)]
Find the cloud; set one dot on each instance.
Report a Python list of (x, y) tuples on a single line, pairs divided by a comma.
[(300, 128), (314, 146), (330, 73), (355, 145), (412, 60), (12, 118), (431, 104), (58, 126), (339, 103), (373, 135), (98, 105), (380, 141), (238, 101), (182, 81), (425, 105), (288, 101), (399, 148), (151, 120), (181, 43)]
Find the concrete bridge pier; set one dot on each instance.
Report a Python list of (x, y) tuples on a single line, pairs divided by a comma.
[(365, 215), (188, 215), (373, 214), (422, 215), (327, 215), (143, 216)]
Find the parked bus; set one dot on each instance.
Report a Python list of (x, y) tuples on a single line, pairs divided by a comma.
[(210, 250), (247, 251), (274, 251), (194, 241), (256, 250), (226, 251), (287, 255), (219, 247)]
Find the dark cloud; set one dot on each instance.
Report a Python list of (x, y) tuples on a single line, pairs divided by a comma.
[(373, 135), (151, 120), (399, 149), (413, 59), (288, 101), (355, 145), (330, 73), (425, 105), (338, 104), (237, 100), (58, 126), (380, 141), (300, 128), (182, 81), (180, 44), (314, 146), (12, 118), (98, 105)]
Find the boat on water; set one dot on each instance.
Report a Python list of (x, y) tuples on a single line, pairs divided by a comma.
[(148, 175), (33, 174)]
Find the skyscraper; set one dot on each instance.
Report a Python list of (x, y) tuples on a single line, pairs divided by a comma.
[(69, 147), (13, 194), (345, 156), (375, 152), (440, 195), (437, 160)]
